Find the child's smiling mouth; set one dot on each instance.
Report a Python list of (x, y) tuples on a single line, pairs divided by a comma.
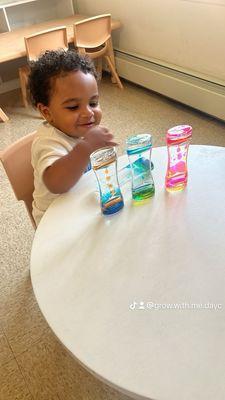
[(87, 124)]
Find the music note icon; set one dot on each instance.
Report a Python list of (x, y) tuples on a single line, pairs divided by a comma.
[(133, 305)]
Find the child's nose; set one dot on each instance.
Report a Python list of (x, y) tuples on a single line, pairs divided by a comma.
[(87, 111)]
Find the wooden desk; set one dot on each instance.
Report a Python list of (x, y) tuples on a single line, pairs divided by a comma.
[(12, 43)]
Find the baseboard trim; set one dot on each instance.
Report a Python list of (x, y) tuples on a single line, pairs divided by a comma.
[(193, 91)]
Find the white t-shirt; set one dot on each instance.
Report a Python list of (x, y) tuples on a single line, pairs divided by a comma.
[(49, 145)]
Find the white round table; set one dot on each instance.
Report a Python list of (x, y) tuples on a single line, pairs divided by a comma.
[(139, 297)]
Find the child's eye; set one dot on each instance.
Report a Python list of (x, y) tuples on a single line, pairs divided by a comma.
[(72, 108), (94, 104)]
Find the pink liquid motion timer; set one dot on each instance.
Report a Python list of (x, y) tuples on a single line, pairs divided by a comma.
[(178, 139)]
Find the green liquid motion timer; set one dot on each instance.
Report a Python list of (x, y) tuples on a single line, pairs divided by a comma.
[(139, 153)]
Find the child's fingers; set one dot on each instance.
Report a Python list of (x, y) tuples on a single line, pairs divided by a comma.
[(103, 128), (108, 136), (110, 143), (109, 140)]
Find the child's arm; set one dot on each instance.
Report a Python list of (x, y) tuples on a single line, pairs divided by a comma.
[(67, 170)]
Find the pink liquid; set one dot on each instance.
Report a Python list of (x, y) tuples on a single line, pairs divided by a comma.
[(178, 139), (176, 178)]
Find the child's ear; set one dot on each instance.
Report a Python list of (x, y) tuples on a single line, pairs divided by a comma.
[(45, 112)]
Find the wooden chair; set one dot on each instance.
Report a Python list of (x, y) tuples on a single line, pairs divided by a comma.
[(16, 160), (92, 36), (51, 39)]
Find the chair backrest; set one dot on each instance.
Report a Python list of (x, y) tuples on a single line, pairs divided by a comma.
[(16, 160), (51, 39), (92, 32)]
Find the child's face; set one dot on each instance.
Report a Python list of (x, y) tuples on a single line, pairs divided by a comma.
[(73, 106)]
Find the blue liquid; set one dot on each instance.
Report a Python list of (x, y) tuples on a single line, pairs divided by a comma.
[(138, 150), (111, 198), (125, 174), (142, 181), (112, 206)]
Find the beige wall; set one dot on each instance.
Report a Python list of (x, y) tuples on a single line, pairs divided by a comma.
[(189, 34)]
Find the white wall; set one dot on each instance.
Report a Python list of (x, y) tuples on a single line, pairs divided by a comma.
[(188, 34)]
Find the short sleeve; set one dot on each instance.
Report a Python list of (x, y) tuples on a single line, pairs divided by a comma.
[(45, 151)]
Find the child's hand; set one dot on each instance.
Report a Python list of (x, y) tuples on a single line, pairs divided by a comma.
[(97, 137)]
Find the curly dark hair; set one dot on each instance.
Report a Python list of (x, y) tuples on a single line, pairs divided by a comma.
[(52, 64)]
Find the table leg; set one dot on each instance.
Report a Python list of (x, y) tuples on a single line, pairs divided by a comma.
[(3, 116)]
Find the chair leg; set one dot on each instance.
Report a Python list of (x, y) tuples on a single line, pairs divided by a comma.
[(3, 116), (99, 68), (113, 71), (23, 75), (111, 55), (81, 50)]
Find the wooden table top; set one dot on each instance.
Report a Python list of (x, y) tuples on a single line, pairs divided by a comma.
[(12, 43)]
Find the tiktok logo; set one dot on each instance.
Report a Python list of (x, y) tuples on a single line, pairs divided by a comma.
[(139, 306), (133, 305)]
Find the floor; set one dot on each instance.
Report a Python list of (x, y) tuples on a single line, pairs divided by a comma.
[(33, 364)]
